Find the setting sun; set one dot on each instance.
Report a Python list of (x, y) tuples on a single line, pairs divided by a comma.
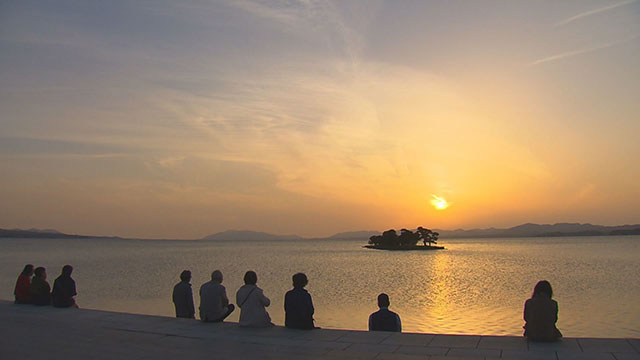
[(439, 203)]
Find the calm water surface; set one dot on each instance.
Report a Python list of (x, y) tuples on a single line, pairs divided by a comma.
[(473, 287)]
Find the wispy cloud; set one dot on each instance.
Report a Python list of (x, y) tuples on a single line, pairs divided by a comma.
[(170, 161), (317, 18), (572, 53), (593, 12), (24, 146), (288, 15)]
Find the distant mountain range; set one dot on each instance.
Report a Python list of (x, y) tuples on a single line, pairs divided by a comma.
[(46, 234), (249, 235), (524, 230), (544, 230), (353, 235), (256, 235)]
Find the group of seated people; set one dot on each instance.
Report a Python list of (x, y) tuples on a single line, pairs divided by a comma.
[(32, 288), (540, 311), (215, 305)]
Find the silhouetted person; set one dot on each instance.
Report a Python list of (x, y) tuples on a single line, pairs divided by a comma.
[(40, 289), (64, 289), (384, 319), (183, 297), (214, 304), (298, 306), (541, 314), (252, 303), (22, 291)]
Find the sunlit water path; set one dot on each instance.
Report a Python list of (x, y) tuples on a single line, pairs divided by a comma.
[(473, 287)]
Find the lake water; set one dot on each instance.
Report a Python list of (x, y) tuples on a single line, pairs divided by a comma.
[(475, 286)]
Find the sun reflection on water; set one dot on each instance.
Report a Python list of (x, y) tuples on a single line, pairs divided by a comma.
[(440, 289)]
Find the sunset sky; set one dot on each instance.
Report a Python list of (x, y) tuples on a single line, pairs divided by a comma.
[(178, 119)]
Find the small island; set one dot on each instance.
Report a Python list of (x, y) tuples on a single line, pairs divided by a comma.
[(407, 240)]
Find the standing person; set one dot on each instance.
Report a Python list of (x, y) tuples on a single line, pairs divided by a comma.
[(384, 319), (183, 297), (64, 289), (22, 290), (40, 288), (541, 314), (298, 306), (214, 304), (252, 303)]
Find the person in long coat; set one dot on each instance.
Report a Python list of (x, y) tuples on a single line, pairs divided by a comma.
[(252, 303)]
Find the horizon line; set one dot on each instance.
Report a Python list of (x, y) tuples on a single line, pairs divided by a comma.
[(55, 231)]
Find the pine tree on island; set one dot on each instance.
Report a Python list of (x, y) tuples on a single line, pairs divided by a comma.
[(407, 240), (428, 237)]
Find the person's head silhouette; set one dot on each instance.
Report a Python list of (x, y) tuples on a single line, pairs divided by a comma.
[(250, 278), (28, 270), (543, 288), (383, 301), (217, 276), (185, 276), (67, 270), (40, 272), (300, 280)]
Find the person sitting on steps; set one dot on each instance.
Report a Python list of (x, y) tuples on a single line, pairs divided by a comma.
[(183, 297), (384, 319), (22, 290), (252, 302), (64, 289), (214, 304), (541, 314), (298, 306), (40, 288)]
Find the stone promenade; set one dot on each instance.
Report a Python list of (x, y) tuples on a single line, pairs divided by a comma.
[(30, 332)]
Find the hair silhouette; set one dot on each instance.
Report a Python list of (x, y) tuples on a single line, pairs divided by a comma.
[(216, 275), (28, 270), (383, 300), (39, 271), (250, 277), (185, 275), (67, 270), (300, 280), (542, 287)]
